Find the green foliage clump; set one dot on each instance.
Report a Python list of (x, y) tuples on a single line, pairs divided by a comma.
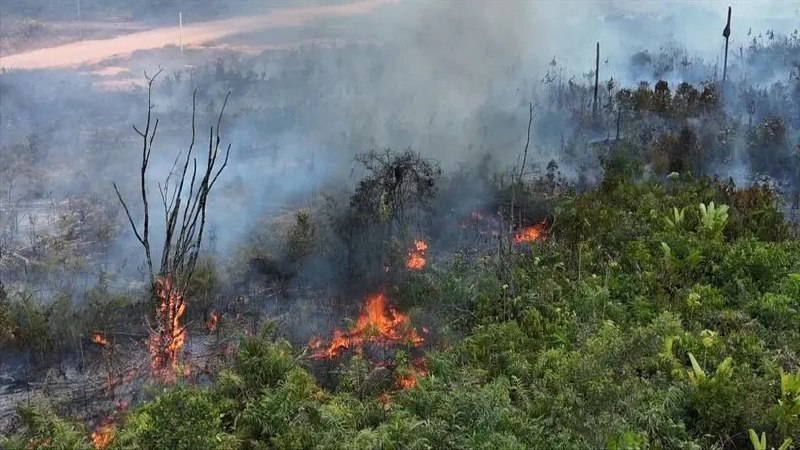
[(654, 316), (42, 428), (181, 418)]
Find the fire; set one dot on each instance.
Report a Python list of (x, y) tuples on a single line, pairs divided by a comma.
[(531, 233), (99, 339), (408, 379), (104, 434), (378, 322), (416, 257), (166, 341), (213, 321)]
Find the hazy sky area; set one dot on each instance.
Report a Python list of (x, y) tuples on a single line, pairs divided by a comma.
[(564, 29)]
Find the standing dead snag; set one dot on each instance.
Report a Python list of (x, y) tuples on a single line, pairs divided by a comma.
[(596, 81), (184, 202), (726, 33), (527, 142)]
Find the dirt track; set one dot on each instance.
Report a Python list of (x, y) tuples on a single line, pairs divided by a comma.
[(88, 52)]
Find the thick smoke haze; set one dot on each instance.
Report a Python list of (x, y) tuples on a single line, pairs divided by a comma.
[(450, 79)]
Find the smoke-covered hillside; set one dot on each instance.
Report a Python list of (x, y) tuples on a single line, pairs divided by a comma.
[(398, 224)]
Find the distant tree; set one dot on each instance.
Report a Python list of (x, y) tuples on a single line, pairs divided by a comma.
[(661, 97), (685, 100), (768, 147)]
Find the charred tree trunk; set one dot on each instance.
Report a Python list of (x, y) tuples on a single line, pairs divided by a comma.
[(596, 80), (726, 33)]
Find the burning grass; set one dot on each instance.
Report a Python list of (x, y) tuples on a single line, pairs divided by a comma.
[(104, 435), (416, 257), (99, 339), (532, 233), (379, 323), (408, 378)]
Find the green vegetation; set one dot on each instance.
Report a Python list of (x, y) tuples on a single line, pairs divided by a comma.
[(655, 316)]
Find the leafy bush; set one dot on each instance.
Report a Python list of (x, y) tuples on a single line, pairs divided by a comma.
[(44, 429)]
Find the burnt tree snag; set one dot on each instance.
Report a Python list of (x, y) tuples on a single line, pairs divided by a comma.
[(726, 33), (184, 199), (596, 80)]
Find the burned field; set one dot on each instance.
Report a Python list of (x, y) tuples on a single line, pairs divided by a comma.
[(383, 243)]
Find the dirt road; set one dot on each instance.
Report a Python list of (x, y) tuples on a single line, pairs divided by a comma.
[(88, 52)]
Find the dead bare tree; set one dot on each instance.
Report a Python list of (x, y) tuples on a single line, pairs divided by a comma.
[(527, 142), (596, 81), (184, 199), (726, 33)]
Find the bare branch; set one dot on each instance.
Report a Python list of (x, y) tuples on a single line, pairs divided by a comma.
[(184, 204), (527, 141), (128, 213)]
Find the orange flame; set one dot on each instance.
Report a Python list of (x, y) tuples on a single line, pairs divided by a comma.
[(409, 378), (104, 434), (406, 380), (416, 257), (213, 321), (99, 339), (378, 322), (531, 233), (166, 341)]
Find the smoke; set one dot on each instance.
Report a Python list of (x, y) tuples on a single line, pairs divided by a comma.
[(449, 79)]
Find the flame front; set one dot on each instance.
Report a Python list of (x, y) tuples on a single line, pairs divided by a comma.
[(99, 339), (416, 257), (531, 233), (104, 435), (378, 323), (166, 341)]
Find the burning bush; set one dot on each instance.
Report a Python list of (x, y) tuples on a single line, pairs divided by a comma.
[(531, 233), (166, 340), (396, 192), (104, 435), (379, 324)]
